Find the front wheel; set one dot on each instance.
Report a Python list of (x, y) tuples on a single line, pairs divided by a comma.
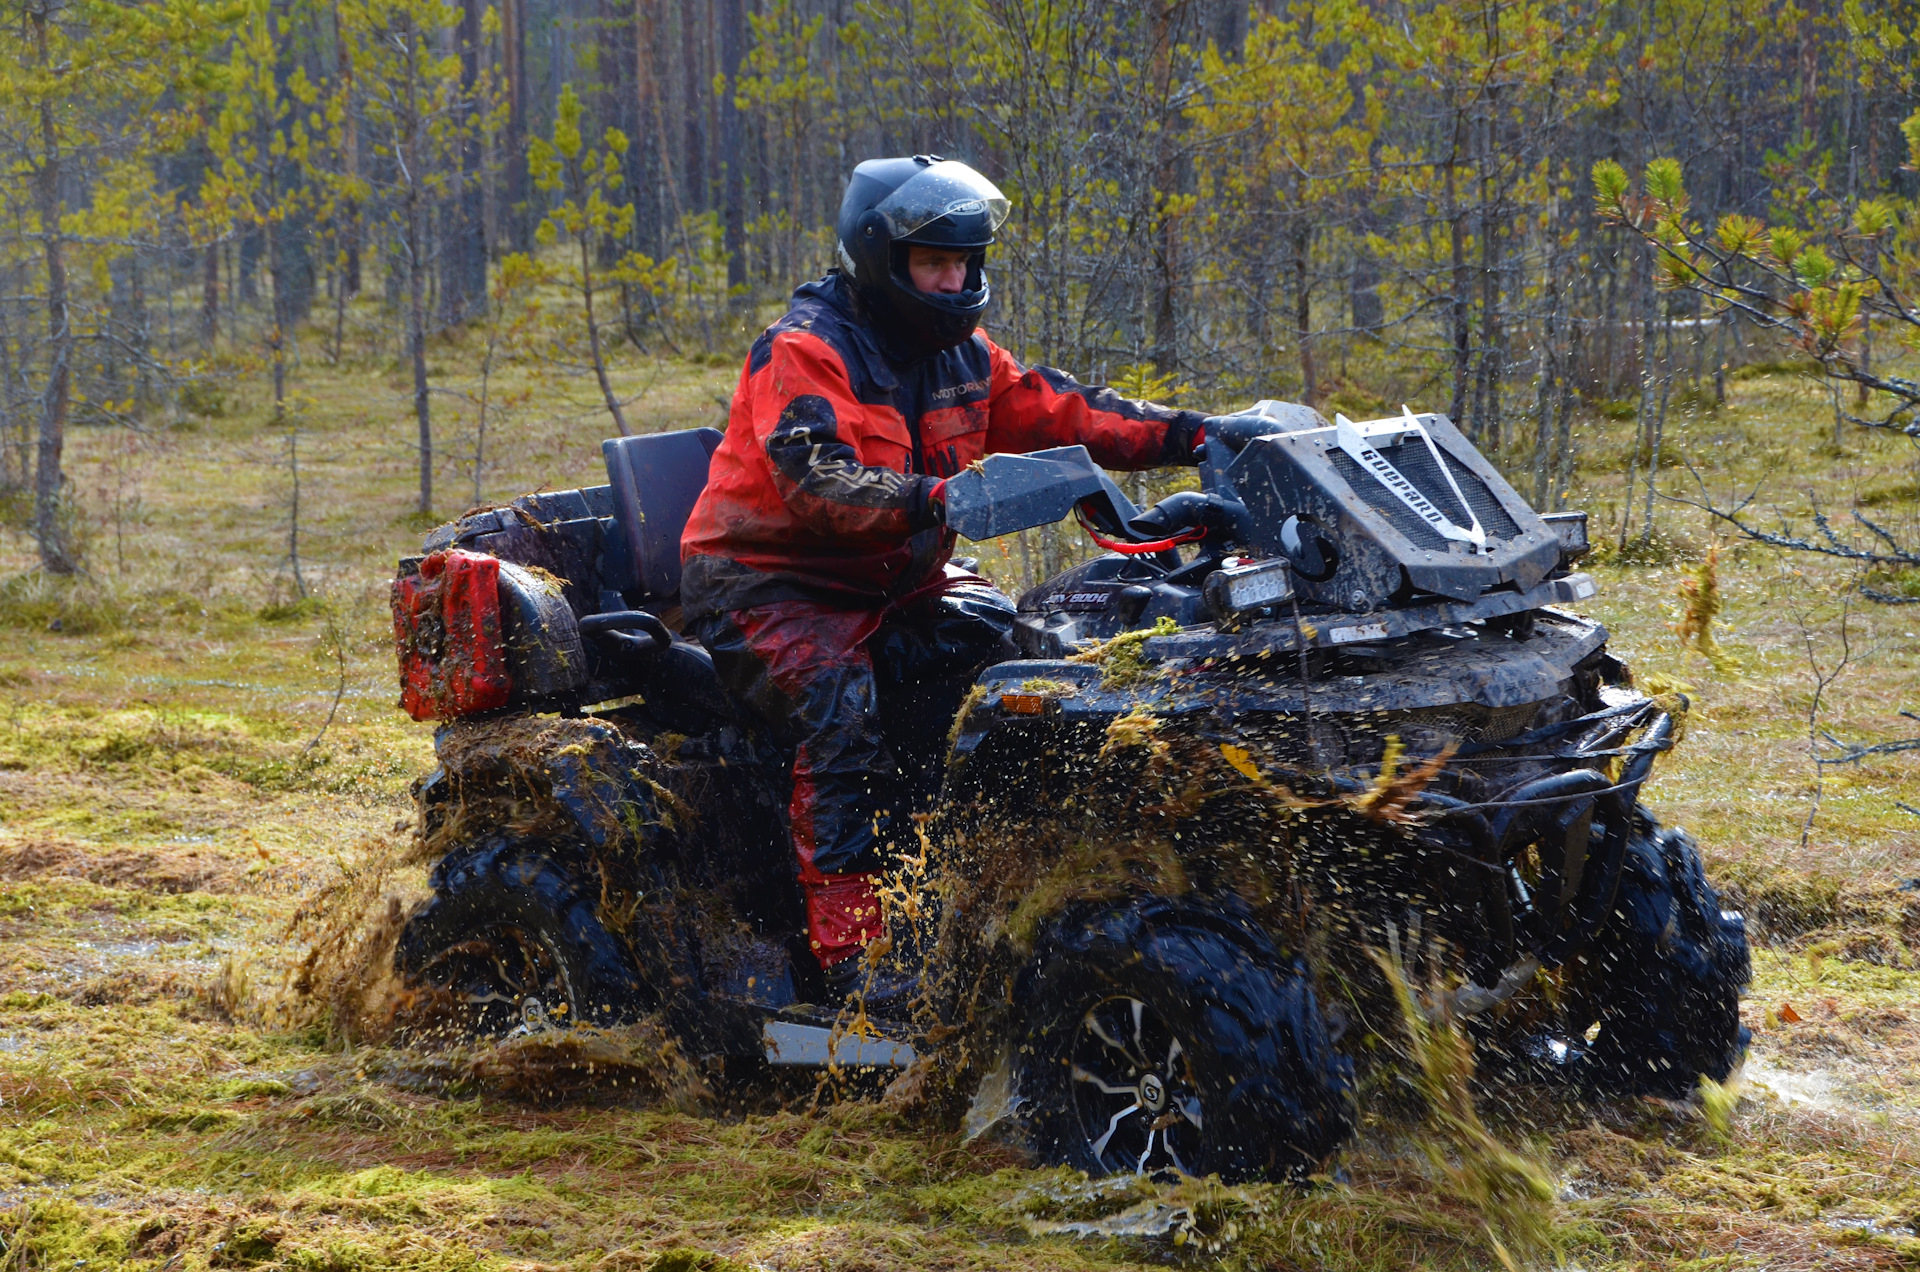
[(512, 938), (1159, 1038), (1663, 976)]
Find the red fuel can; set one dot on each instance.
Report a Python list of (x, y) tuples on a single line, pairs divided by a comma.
[(446, 624)]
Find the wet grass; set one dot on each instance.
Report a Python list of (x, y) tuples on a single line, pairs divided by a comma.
[(171, 794)]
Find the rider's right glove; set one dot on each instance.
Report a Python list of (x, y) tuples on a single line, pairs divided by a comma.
[(1241, 427), (1238, 429), (927, 506)]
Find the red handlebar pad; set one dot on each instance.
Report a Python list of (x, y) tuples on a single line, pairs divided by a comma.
[(1138, 549)]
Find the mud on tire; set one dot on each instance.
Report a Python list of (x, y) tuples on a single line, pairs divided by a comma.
[(1663, 978), (1194, 1020), (511, 921)]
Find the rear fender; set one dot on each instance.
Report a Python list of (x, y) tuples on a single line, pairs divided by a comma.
[(575, 778), (603, 792), (542, 637)]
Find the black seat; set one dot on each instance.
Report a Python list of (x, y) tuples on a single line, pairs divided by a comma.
[(656, 479)]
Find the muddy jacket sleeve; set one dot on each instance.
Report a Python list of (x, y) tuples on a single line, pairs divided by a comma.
[(1035, 408), (825, 447)]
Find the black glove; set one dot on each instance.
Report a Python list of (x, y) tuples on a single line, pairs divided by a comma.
[(927, 505), (1186, 440), (1241, 427)]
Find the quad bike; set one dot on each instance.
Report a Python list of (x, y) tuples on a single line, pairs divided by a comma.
[(1327, 709)]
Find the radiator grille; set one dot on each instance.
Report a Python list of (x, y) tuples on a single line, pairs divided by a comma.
[(1416, 464), (1391, 510)]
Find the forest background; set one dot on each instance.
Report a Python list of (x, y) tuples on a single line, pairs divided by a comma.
[(284, 283), (1347, 203)]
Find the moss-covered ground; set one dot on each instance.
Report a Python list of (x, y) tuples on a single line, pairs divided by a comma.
[(189, 751)]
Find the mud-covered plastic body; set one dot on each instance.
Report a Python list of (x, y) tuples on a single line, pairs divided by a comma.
[(1360, 718)]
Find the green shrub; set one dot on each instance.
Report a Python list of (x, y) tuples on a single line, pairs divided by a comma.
[(289, 611), (204, 398), (40, 601)]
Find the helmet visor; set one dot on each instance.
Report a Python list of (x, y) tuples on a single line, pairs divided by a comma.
[(946, 188)]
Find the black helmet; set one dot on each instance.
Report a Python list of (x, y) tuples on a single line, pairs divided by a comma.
[(935, 202)]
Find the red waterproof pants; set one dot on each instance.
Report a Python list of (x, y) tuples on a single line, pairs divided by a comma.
[(861, 700)]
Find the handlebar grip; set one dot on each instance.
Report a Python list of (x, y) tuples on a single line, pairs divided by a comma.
[(1264, 420)]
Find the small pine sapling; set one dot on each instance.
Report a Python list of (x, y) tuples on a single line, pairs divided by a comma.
[(589, 182)]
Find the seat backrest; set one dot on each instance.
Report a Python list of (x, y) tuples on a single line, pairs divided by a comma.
[(656, 478)]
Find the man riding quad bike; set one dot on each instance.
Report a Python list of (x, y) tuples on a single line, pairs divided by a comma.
[(813, 564), (1166, 814)]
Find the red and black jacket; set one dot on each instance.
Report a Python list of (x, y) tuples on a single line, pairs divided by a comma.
[(820, 490)]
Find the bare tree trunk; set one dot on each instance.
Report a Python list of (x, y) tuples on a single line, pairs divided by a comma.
[(1457, 308), (593, 341), (1543, 402), (1656, 435), (339, 316), (1303, 309), (733, 34), (15, 467), (1563, 449), (48, 478), (694, 137), (417, 349), (210, 296), (1609, 331), (350, 231), (486, 402), (276, 333), (1809, 77), (1486, 417), (1166, 253), (463, 239), (647, 142), (1643, 347), (417, 283), (139, 336), (513, 56), (1720, 359), (293, 507)]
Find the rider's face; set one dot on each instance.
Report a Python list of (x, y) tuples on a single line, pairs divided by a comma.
[(937, 270)]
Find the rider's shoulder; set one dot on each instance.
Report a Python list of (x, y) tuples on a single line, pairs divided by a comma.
[(819, 308), (813, 311)]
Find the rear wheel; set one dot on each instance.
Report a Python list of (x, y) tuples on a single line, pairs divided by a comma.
[(1662, 979), (512, 938), (1159, 1039)]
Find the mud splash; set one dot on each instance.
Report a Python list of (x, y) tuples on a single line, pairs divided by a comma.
[(1155, 807), (580, 785), (1512, 1193), (1202, 1216), (637, 1063), (343, 982)]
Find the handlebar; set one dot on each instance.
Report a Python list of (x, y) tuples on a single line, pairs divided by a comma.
[(623, 622)]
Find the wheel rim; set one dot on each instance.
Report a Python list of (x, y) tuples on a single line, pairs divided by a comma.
[(1133, 1090), (504, 979)]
